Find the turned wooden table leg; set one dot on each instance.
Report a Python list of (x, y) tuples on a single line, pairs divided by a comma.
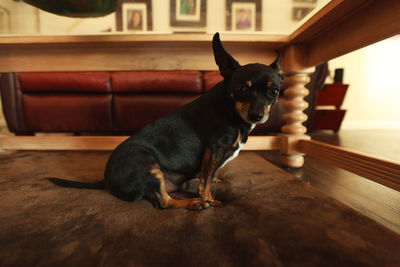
[(293, 130)]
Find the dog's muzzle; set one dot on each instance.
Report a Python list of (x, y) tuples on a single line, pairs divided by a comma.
[(255, 117)]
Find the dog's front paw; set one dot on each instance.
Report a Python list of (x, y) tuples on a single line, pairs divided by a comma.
[(215, 203), (198, 204), (217, 180)]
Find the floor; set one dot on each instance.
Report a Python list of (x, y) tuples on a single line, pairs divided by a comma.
[(269, 218), (369, 198)]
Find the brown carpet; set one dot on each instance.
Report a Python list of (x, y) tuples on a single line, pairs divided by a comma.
[(269, 219)]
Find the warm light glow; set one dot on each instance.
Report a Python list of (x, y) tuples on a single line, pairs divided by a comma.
[(373, 96)]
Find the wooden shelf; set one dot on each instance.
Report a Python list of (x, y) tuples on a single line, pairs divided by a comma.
[(143, 38), (130, 52)]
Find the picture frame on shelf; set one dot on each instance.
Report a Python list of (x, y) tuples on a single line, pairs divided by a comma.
[(243, 15), (298, 13), (134, 16), (188, 13)]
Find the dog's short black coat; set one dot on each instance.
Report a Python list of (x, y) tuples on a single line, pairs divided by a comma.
[(193, 141)]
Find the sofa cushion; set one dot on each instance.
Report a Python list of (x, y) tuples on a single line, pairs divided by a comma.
[(157, 82), (67, 112), (210, 79), (132, 112), (98, 82)]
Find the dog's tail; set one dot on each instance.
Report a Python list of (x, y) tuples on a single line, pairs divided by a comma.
[(67, 183)]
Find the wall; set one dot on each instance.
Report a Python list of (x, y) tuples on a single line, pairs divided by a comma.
[(373, 96), (276, 17), (58, 25), (23, 17)]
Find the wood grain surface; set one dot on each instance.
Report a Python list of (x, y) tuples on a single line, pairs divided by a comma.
[(374, 200), (383, 171), (103, 143)]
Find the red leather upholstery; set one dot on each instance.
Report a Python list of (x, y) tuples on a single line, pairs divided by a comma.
[(135, 111), (157, 82), (211, 78), (64, 82), (105, 101), (67, 112)]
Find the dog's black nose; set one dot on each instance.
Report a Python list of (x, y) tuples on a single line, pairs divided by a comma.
[(255, 117)]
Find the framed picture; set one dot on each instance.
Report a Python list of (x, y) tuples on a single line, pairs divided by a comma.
[(299, 13), (243, 15), (134, 16), (188, 13)]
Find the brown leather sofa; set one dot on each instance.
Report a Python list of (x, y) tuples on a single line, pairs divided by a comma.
[(105, 102)]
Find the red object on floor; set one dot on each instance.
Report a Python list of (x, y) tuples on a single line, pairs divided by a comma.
[(326, 118)]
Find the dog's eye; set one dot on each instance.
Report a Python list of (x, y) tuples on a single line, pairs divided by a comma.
[(242, 91), (272, 93)]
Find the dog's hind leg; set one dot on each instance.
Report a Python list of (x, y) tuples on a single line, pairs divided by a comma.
[(165, 201)]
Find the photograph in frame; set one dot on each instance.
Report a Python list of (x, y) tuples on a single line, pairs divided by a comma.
[(299, 13), (187, 10), (243, 16), (134, 17), (188, 13)]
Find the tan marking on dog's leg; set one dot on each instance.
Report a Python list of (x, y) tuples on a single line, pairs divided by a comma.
[(204, 185), (208, 169), (166, 201)]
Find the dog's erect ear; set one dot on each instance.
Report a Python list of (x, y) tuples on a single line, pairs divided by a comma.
[(276, 65), (226, 63)]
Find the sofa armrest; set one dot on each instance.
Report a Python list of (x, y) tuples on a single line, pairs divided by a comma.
[(11, 98)]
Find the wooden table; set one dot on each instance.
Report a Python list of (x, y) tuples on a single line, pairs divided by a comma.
[(340, 27)]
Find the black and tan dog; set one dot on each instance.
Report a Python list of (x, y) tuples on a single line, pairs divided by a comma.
[(193, 141)]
